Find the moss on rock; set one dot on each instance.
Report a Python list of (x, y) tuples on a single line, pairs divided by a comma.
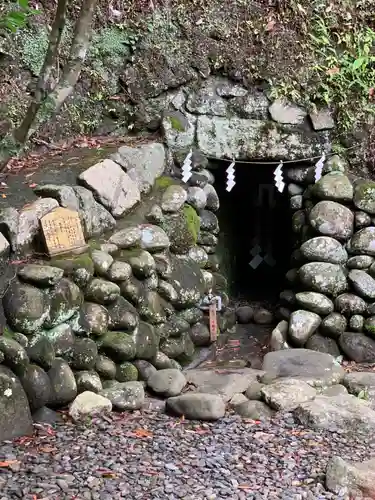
[(126, 372), (164, 181)]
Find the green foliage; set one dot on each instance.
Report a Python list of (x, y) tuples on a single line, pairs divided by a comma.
[(343, 78), (33, 48), (164, 182), (17, 16), (112, 44), (192, 221), (363, 394)]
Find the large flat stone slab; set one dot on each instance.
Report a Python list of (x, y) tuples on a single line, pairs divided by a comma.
[(246, 138), (357, 382), (225, 383), (112, 187), (338, 413), (315, 368)]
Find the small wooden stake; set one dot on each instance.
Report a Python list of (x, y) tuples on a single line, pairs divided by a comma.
[(213, 322)]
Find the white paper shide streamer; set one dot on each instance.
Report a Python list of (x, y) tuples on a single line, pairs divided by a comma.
[(230, 177), (319, 167), (278, 175), (187, 167)]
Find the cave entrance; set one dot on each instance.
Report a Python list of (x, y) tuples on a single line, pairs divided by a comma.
[(256, 239)]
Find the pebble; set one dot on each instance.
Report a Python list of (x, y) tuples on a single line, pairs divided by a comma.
[(234, 459)]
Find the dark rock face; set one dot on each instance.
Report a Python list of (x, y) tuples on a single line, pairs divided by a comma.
[(14, 408)]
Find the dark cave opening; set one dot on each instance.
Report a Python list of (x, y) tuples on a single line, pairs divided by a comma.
[(256, 239)]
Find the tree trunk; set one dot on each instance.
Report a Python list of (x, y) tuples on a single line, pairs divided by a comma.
[(21, 133), (73, 67)]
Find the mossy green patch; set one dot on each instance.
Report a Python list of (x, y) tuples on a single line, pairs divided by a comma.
[(164, 181), (176, 124), (192, 221), (72, 263), (126, 372)]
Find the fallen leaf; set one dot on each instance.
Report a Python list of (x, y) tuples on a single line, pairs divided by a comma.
[(3, 195), (7, 463), (333, 71), (142, 433), (33, 185), (270, 25), (244, 487), (47, 449)]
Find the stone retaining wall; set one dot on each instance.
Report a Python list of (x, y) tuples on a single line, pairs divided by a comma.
[(330, 304), (128, 306)]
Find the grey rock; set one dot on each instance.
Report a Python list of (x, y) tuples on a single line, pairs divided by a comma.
[(315, 368), (47, 416), (25, 307), (167, 383), (9, 218), (323, 277), (361, 219), (173, 198), (363, 242), (252, 105), (255, 410), (153, 308), (167, 291), (334, 390), (110, 248), (356, 382), (197, 197), (4, 245), (198, 255), (224, 384), (63, 383), (332, 219), (37, 386), (334, 186), (127, 237), (302, 325), (356, 323), (320, 343), (187, 279), (145, 341), (287, 113), (154, 238), (102, 261), (179, 130), (119, 346), (336, 413), (364, 196), (279, 336), (286, 395), (13, 355), (40, 275), (354, 479), (296, 202), (88, 404), (205, 101), (119, 271), (369, 326), (246, 138), (102, 291), (83, 354), (41, 351), (322, 119), (213, 202), (144, 164), (254, 391), (65, 195), (61, 337), (15, 416), (324, 249), (362, 283), (161, 361), (122, 315), (200, 335), (192, 315), (349, 304), (126, 396), (315, 302), (263, 317), (105, 367), (360, 262), (358, 347), (29, 223), (335, 163), (244, 314), (334, 325), (145, 369), (141, 262), (66, 299), (95, 317), (94, 217), (88, 381), (112, 187), (197, 406)]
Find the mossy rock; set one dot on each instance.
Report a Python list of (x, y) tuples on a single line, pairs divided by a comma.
[(126, 372), (182, 229), (164, 181), (119, 346), (80, 268)]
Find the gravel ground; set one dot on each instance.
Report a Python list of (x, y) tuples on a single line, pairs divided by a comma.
[(153, 456)]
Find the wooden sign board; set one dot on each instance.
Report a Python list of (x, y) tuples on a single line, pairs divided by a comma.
[(63, 232), (213, 322)]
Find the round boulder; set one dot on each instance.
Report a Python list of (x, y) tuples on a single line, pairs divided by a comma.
[(324, 249), (323, 277), (167, 383), (302, 324), (332, 219), (315, 302)]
